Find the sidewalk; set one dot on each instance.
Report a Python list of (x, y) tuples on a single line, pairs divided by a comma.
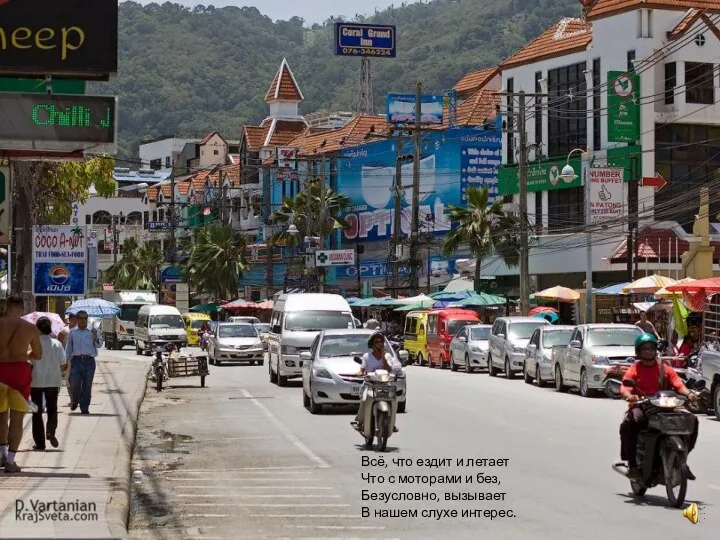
[(88, 473)]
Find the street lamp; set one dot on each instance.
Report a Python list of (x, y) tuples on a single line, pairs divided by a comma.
[(568, 174)]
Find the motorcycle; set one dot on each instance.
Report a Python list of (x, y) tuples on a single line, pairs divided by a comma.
[(379, 421), (661, 448), (204, 338), (614, 372), (160, 369), (696, 383)]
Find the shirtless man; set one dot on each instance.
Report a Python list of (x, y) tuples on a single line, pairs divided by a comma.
[(19, 342)]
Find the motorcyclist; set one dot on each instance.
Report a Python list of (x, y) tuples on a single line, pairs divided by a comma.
[(649, 380), (377, 358)]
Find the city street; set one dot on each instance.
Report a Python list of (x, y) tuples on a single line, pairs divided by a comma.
[(243, 459)]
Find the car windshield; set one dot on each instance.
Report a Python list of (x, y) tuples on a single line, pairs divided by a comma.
[(236, 331), (314, 321), (523, 330), (346, 345), (166, 321), (197, 323), (612, 337), (480, 334), (249, 320), (555, 338), (129, 312), (455, 326), (263, 328)]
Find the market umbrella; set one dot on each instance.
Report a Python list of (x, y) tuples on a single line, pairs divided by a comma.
[(696, 292), (352, 300), (480, 300), (540, 310), (55, 320), (613, 290), (648, 284), (558, 294), (235, 304), (419, 300), (549, 316), (665, 294), (412, 307), (451, 296), (213, 307), (95, 307), (267, 304)]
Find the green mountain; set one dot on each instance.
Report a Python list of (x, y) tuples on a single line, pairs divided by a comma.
[(188, 71)]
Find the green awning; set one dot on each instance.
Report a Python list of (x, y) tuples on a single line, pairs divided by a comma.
[(481, 299), (410, 308), (206, 308)]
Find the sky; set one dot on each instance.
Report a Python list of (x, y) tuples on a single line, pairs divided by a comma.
[(311, 10)]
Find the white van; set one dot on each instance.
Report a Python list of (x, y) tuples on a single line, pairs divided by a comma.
[(158, 325), (296, 321)]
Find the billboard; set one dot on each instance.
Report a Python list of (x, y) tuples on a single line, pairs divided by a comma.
[(401, 109), (57, 122), (371, 40), (623, 118), (73, 38), (607, 191), (59, 255), (366, 176)]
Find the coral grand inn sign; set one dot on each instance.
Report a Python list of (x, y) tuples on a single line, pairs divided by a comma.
[(59, 37)]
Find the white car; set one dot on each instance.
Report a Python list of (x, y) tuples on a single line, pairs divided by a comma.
[(469, 348), (236, 342), (247, 320)]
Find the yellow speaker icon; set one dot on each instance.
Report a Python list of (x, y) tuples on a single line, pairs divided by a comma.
[(691, 513)]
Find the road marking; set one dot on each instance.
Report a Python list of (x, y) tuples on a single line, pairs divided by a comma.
[(297, 443), (256, 496), (271, 505)]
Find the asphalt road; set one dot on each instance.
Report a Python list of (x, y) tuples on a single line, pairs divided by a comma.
[(243, 459)]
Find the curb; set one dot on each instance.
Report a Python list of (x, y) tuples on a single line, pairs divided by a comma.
[(118, 506)]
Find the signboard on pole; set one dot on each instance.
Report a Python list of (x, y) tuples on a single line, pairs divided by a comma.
[(335, 257), (75, 38), (401, 109), (5, 208), (59, 259), (607, 191), (373, 40), (623, 106), (286, 164)]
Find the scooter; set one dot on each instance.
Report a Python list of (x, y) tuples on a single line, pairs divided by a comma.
[(379, 420), (661, 449), (204, 338), (159, 369), (612, 374), (704, 404)]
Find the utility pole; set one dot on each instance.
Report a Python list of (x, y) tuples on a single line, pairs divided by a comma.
[(414, 255), (522, 178), (633, 216), (397, 217), (115, 237), (171, 248), (321, 231)]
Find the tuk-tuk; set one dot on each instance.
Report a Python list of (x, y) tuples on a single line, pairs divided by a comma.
[(193, 323)]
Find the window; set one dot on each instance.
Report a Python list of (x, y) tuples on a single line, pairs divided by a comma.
[(630, 58), (567, 119), (597, 108), (87, 219), (411, 325), (523, 330), (314, 321), (454, 326), (699, 83), (480, 334), (432, 325), (670, 82), (565, 209), (510, 145), (215, 152), (167, 162), (237, 331), (554, 338), (538, 112), (156, 164)]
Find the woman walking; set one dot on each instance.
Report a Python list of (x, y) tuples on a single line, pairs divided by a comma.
[(46, 382)]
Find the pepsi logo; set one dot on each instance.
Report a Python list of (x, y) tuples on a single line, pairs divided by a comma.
[(59, 274)]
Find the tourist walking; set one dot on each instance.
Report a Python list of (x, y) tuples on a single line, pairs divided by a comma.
[(46, 382), (63, 337), (81, 351)]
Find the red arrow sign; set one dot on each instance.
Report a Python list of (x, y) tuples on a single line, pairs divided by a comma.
[(657, 181)]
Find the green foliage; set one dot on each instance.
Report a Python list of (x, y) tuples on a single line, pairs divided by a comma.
[(188, 71), (217, 261), (139, 267), (485, 228)]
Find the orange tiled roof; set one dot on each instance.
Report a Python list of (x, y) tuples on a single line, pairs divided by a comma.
[(198, 180), (232, 172), (281, 132), (478, 108), (152, 193), (475, 80), (566, 36), (183, 188), (689, 20), (284, 86), (353, 133), (605, 8), (254, 137)]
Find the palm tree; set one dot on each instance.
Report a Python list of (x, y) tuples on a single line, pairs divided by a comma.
[(139, 267), (484, 228), (217, 261)]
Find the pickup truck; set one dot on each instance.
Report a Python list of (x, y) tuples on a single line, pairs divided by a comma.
[(709, 366)]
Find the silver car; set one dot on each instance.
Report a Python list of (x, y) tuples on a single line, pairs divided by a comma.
[(329, 372), (539, 352), (593, 348), (508, 339), (469, 348), (231, 342)]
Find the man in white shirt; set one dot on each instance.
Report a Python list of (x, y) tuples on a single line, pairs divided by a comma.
[(46, 382)]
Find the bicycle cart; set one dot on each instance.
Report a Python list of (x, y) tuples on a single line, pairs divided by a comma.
[(188, 365)]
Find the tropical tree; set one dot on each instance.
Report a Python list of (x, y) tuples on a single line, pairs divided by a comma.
[(217, 261), (485, 228), (139, 267)]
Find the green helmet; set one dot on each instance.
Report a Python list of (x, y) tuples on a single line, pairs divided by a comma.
[(644, 338)]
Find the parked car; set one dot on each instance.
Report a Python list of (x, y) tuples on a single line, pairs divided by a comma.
[(442, 325), (264, 331), (415, 336), (469, 348), (236, 342), (539, 352), (592, 349), (247, 320), (329, 371), (508, 339)]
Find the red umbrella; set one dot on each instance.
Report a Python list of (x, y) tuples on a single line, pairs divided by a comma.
[(267, 304), (542, 309)]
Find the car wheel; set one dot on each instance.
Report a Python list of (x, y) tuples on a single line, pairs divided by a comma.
[(211, 360), (585, 390), (420, 360), (526, 376), (443, 364), (218, 362), (468, 369), (273, 376), (453, 365), (716, 401), (282, 381), (138, 350), (538, 378), (492, 370), (508, 372), (314, 408), (430, 361), (401, 406), (261, 362), (559, 386), (306, 399)]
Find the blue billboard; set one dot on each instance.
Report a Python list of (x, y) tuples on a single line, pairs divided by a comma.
[(370, 269), (401, 109), (450, 162), (59, 279), (365, 40)]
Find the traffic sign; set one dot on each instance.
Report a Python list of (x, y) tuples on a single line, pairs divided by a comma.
[(657, 181)]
